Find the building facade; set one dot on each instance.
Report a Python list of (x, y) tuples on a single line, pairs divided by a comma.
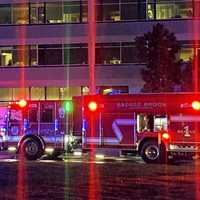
[(44, 50)]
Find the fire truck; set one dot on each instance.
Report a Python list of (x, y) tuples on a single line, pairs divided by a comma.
[(158, 127), (35, 127)]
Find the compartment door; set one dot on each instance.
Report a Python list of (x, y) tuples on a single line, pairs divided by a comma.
[(119, 129)]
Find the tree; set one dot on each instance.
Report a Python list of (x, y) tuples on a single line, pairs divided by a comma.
[(188, 80), (158, 49)]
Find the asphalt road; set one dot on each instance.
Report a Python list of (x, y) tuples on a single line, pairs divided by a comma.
[(97, 179)]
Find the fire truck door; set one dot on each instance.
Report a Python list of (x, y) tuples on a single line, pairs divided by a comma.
[(92, 125), (3, 122), (33, 119), (118, 129), (15, 125), (47, 122)]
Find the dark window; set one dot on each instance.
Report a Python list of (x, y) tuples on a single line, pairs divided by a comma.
[(47, 115), (106, 54), (5, 14), (50, 54), (142, 10), (33, 55), (128, 53), (129, 11), (32, 115), (75, 54), (107, 12)]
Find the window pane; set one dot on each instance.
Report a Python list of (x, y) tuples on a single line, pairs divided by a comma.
[(50, 54), (54, 13), (21, 55), (167, 10), (186, 54), (150, 11), (129, 11), (52, 93), (68, 93), (71, 12), (6, 56), (6, 94), (128, 53), (183, 10), (108, 55), (75, 55), (142, 10), (160, 123), (33, 55), (164, 11), (5, 14), (37, 13), (84, 12), (108, 12), (19, 93), (20, 14), (37, 93), (46, 114)]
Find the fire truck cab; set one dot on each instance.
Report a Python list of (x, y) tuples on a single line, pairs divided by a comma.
[(35, 127), (156, 126)]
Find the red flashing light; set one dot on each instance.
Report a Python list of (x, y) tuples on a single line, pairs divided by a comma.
[(196, 105), (22, 103), (165, 136), (92, 106)]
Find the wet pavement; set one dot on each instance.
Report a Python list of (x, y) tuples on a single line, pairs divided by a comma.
[(112, 179)]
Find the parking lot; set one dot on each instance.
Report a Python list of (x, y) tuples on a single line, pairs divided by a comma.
[(111, 178)]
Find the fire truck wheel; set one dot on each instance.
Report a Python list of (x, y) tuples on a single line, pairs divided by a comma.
[(152, 153), (31, 148)]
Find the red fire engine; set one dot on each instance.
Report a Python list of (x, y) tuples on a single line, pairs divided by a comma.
[(157, 126), (35, 127)]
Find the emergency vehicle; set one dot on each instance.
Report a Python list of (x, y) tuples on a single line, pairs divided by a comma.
[(35, 127), (157, 126)]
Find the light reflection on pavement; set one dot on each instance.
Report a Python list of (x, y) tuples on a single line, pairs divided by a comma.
[(121, 179)]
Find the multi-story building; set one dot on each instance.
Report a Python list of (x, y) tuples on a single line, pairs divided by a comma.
[(44, 50)]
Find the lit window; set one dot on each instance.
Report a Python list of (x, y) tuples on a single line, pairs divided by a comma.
[(54, 12), (20, 14), (71, 12)]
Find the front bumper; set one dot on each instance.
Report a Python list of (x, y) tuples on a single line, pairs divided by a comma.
[(183, 150)]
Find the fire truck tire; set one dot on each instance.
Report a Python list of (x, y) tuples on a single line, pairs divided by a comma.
[(31, 148), (151, 152)]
